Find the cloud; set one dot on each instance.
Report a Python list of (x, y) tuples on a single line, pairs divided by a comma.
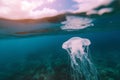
[(33, 9), (89, 6), (100, 12), (22, 9), (76, 23), (45, 12), (50, 0)]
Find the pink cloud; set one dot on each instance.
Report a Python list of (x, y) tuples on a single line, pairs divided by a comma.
[(33, 9), (100, 12), (22, 9), (89, 6)]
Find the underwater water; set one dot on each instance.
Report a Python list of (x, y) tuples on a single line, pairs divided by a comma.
[(38, 54)]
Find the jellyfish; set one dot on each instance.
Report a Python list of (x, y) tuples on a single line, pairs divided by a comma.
[(73, 23), (82, 67)]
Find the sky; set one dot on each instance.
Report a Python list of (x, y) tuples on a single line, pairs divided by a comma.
[(34, 9)]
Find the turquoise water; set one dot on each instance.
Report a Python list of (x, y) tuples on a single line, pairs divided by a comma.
[(39, 55)]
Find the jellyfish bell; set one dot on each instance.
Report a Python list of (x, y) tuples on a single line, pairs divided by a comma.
[(86, 42), (76, 44)]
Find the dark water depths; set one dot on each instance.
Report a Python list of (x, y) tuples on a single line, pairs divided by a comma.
[(41, 57)]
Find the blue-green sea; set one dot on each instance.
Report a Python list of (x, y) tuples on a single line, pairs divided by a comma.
[(38, 55)]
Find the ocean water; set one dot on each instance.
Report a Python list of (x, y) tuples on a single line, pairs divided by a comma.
[(38, 55)]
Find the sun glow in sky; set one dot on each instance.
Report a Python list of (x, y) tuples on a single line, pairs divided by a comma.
[(34, 9)]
